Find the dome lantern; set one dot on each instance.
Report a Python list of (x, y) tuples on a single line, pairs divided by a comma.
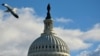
[(48, 24)]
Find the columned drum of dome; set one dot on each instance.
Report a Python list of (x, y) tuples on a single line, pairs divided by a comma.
[(48, 44)]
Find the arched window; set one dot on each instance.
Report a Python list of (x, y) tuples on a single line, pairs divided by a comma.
[(57, 47), (42, 46), (53, 46), (46, 46), (49, 46)]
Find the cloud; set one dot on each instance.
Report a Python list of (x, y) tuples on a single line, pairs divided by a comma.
[(63, 20), (96, 52), (16, 35), (92, 34), (1, 14)]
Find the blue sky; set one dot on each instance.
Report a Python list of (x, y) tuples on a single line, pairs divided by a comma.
[(76, 16)]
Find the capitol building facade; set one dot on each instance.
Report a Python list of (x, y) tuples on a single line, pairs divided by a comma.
[(48, 44)]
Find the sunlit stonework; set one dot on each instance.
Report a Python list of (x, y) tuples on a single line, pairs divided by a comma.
[(48, 44)]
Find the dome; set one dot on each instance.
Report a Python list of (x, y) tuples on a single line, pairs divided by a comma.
[(48, 44)]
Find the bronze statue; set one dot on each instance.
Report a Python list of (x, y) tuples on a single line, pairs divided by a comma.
[(48, 13)]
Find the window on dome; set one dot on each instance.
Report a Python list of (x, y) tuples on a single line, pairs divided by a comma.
[(42, 46), (46, 46), (53, 46), (57, 47), (49, 46)]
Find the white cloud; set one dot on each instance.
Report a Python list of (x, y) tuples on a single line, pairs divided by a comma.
[(96, 52), (63, 20), (92, 34), (84, 53), (91, 53), (1, 14), (16, 35)]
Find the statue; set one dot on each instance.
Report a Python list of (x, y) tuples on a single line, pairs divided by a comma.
[(48, 13), (48, 8)]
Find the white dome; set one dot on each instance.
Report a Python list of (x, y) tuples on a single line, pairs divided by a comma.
[(48, 44)]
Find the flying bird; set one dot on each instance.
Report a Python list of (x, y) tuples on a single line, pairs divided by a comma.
[(11, 10)]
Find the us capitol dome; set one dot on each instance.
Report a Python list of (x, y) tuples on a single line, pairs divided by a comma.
[(48, 44)]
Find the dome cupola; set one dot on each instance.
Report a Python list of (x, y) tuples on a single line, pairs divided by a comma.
[(48, 44)]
